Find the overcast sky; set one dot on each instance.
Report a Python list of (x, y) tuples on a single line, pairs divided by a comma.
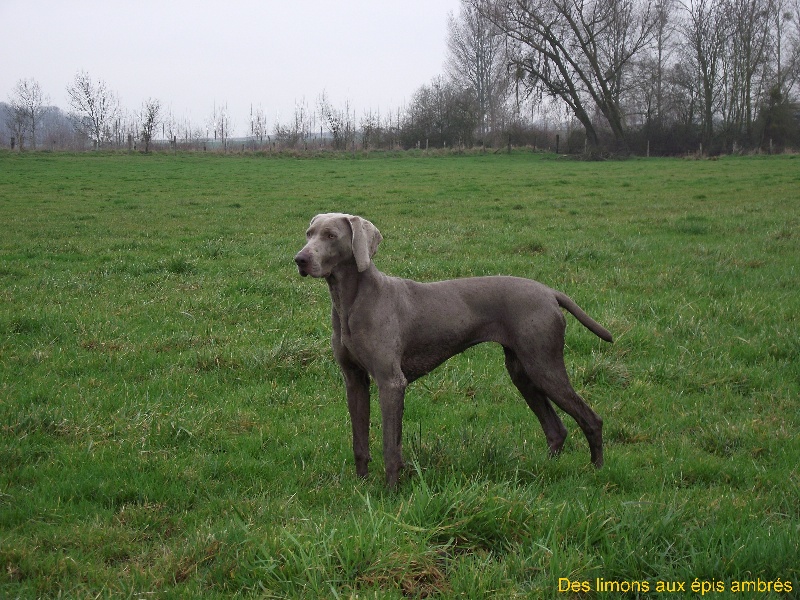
[(193, 54)]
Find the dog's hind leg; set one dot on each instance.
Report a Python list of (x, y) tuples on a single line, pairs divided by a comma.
[(548, 375), (553, 427), (554, 382)]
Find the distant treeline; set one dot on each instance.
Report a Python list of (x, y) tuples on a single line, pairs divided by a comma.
[(610, 77)]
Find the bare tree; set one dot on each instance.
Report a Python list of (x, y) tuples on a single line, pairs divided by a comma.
[(298, 129), (645, 100), (149, 120), (476, 60), (440, 115), (57, 130), (184, 132), (392, 128), (576, 50), (258, 124), (792, 67), (786, 52), (747, 26), (340, 122), (170, 127), (27, 107), (663, 31), (221, 124), (682, 94), (370, 125), (705, 35), (94, 106), (17, 125)]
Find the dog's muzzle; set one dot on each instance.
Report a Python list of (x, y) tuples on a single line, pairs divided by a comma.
[(302, 260)]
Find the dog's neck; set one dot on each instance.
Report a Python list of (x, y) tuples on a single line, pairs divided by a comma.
[(344, 284)]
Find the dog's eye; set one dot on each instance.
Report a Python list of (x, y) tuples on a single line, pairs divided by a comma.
[(331, 236)]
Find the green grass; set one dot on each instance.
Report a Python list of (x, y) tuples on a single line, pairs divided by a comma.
[(172, 423)]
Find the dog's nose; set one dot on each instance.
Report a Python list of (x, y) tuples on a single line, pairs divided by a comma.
[(302, 261)]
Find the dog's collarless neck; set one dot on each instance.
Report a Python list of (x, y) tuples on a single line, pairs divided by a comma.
[(345, 283)]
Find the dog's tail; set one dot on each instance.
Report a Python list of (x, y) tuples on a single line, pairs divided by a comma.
[(565, 301)]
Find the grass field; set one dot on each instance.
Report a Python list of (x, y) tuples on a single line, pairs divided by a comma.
[(172, 422)]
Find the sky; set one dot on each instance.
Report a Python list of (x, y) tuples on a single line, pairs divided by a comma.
[(195, 55)]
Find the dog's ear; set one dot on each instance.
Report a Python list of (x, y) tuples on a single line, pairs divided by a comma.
[(366, 238)]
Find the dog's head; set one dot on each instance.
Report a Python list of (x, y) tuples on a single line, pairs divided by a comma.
[(335, 238)]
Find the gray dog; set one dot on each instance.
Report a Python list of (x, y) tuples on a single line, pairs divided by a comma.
[(397, 330)]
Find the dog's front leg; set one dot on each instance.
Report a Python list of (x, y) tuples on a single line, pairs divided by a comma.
[(357, 385), (392, 396), (356, 381)]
